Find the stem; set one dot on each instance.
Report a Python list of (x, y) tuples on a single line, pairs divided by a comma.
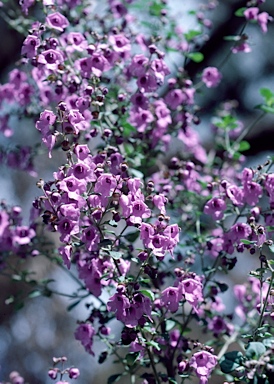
[(229, 341), (248, 129), (153, 365), (265, 303)]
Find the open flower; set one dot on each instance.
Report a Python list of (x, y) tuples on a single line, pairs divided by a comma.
[(203, 362)]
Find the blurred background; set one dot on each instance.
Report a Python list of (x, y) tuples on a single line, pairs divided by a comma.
[(30, 336)]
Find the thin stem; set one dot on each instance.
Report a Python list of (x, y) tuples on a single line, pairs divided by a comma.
[(248, 129), (265, 303), (229, 341), (153, 365)]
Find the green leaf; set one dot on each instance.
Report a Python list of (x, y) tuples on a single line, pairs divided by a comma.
[(156, 8), (197, 57), (266, 108), (170, 380), (244, 146), (131, 237), (255, 350), (190, 35), (230, 361), (269, 341), (223, 287), (34, 294), (148, 294), (105, 242), (115, 255), (131, 358), (153, 344), (114, 378), (128, 129), (112, 223), (232, 38), (170, 324), (271, 248), (248, 242), (266, 93), (16, 277), (240, 12), (73, 305)]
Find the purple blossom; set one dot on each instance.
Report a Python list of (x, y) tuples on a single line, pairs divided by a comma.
[(239, 231), (57, 21), (211, 77), (119, 43), (118, 304), (242, 47), (170, 298), (192, 291), (252, 192), (263, 18), (138, 65), (235, 194), (51, 58), (30, 45), (215, 207), (203, 362), (174, 98), (147, 82), (140, 119), (85, 333), (251, 13), (23, 235)]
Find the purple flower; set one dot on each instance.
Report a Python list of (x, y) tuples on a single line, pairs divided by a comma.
[(239, 231), (193, 292), (163, 115), (218, 325), (242, 47), (4, 221), (82, 171), (23, 235), (66, 228), (82, 151), (119, 43), (85, 333), (251, 13), (147, 82), (30, 45), (235, 194), (91, 238), (203, 362), (118, 9), (211, 77), (170, 298), (174, 98), (252, 192), (57, 21), (74, 373), (138, 65), (76, 41), (215, 207), (51, 58), (140, 119), (263, 19), (139, 211), (47, 119), (65, 252), (160, 68), (73, 186), (118, 304), (25, 4)]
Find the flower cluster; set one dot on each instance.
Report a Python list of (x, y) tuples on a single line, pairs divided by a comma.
[(147, 239)]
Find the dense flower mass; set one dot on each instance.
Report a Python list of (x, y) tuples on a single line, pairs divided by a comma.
[(147, 238)]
